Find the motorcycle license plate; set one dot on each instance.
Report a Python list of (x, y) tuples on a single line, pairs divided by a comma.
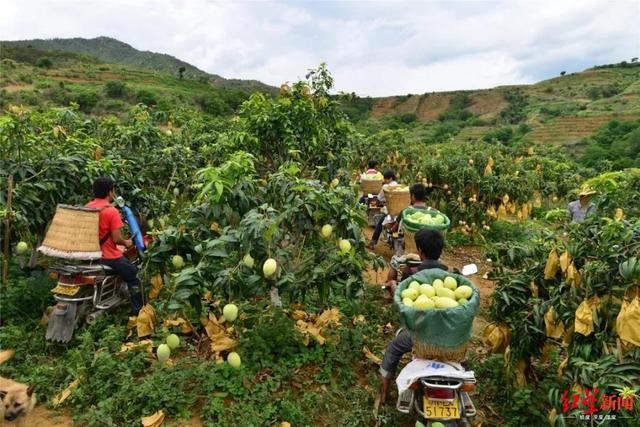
[(438, 409), (66, 290)]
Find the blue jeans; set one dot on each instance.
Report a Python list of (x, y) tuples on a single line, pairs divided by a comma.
[(129, 273)]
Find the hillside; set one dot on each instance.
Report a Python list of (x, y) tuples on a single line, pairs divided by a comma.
[(104, 75), (41, 78), (561, 110), (113, 51)]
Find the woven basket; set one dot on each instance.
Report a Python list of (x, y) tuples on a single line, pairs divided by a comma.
[(410, 243), (396, 201), (73, 234), (427, 351), (370, 186)]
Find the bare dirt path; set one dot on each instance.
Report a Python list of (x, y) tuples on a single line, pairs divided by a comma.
[(455, 258), (43, 417)]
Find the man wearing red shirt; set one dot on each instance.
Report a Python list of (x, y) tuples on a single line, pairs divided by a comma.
[(110, 236)]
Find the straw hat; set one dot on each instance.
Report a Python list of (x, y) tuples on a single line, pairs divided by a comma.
[(586, 191)]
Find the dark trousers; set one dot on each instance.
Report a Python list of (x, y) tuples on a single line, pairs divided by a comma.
[(378, 230), (129, 273), (401, 344)]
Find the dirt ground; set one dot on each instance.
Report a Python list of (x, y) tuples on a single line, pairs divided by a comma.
[(456, 258)]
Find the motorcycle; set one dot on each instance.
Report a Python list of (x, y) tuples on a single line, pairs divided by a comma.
[(394, 239), (86, 292), (438, 391), (374, 209)]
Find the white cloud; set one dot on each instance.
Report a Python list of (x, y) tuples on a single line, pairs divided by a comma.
[(374, 48)]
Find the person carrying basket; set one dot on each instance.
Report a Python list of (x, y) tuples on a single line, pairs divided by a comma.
[(429, 243)]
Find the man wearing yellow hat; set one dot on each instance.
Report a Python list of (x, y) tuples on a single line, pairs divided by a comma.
[(579, 209)]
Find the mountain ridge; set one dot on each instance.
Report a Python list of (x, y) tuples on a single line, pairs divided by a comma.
[(113, 51)]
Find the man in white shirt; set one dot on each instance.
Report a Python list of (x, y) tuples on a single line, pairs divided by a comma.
[(389, 179)]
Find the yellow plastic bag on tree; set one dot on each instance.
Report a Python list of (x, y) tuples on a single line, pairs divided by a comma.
[(562, 366), (628, 322), (534, 289), (552, 265), (568, 336), (565, 261), (552, 416), (573, 276), (156, 286), (146, 321), (584, 316), (554, 328), (496, 336), (519, 373), (488, 169), (537, 199), (502, 212)]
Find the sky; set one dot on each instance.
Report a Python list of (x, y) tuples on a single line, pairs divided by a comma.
[(372, 48)]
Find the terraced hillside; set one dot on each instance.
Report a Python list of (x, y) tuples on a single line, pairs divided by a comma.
[(571, 129), (562, 110)]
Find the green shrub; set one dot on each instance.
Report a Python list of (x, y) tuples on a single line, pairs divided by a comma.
[(25, 78), (86, 100), (270, 339), (115, 89), (44, 62), (59, 95), (29, 97), (211, 104), (146, 97), (115, 105), (25, 298), (408, 118)]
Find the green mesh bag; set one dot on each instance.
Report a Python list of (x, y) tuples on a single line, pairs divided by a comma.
[(445, 328), (416, 226)]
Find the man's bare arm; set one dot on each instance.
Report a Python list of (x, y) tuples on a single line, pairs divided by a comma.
[(116, 235)]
